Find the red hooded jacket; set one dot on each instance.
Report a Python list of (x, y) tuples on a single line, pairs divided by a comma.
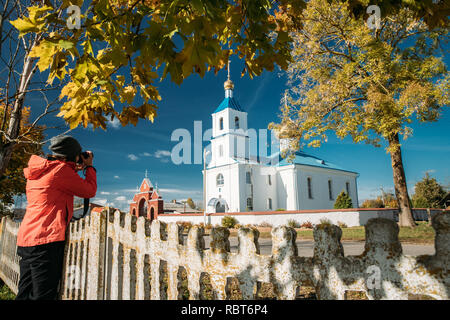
[(51, 186)]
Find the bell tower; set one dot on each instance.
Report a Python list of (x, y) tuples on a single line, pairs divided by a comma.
[(229, 129)]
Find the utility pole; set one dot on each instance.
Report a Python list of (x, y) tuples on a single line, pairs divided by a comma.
[(205, 154)]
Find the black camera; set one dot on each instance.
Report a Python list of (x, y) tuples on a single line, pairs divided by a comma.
[(83, 155)]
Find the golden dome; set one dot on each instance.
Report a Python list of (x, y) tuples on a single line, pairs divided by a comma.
[(228, 85)]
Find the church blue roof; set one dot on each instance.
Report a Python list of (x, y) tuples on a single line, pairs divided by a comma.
[(229, 103), (307, 160)]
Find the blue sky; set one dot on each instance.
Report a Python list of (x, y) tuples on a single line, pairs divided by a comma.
[(123, 154)]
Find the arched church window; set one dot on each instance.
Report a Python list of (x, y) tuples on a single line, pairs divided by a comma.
[(221, 124), (219, 179), (249, 204), (236, 122)]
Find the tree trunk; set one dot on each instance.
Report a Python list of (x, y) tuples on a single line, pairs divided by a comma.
[(13, 130), (429, 216), (401, 190), (7, 148)]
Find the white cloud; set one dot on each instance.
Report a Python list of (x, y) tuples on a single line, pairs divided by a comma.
[(258, 91), (162, 153), (132, 157), (115, 124), (121, 198), (129, 190), (105, 193), (116, 177), (101, 202), (173, 190)]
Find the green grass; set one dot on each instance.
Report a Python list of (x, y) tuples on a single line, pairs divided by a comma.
[(423, 233), (5, 292)]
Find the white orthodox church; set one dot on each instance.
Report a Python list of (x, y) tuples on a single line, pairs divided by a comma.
[(237, 181)]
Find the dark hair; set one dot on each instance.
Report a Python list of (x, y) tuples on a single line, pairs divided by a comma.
[(52, 157)]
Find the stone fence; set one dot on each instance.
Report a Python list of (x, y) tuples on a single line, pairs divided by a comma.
[(113, 255)]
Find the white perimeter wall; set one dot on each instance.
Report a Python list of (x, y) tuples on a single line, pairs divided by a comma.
[(350, 218)]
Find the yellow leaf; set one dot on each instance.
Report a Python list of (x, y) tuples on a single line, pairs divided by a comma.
[(24, 26), (36, 12), (34, 22), (128, 94), (45, 52)]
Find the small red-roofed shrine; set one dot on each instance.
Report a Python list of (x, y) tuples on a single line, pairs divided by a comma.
[(147, 202)]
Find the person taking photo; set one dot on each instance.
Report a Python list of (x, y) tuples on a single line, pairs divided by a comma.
[(51, 186)]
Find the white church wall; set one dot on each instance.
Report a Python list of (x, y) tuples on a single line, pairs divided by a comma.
[(228, 115), (218, 159), (320, 193), (242, 119), (266, 189), (281, 192), (229, 191), (286, 195), (216, 123), (233, 192), (259, 189), (244, 188)]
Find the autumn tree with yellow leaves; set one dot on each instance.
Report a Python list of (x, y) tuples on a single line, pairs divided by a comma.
[(110, 63), (367, 84)]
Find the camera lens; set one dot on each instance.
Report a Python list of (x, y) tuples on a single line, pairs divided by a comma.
[(83, 155)]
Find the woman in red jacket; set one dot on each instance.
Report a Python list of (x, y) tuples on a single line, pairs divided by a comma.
[(52, 184)]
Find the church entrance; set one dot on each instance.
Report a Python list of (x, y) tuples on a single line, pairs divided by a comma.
[(220, 207), (152, 214), (143, 208), (217, 205)]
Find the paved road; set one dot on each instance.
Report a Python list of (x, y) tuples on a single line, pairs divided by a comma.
[(305, 247)]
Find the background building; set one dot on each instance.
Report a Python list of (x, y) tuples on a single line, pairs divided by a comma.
[(147, 202)]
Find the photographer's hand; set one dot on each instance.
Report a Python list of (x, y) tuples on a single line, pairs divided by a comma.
[(88, 161)]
